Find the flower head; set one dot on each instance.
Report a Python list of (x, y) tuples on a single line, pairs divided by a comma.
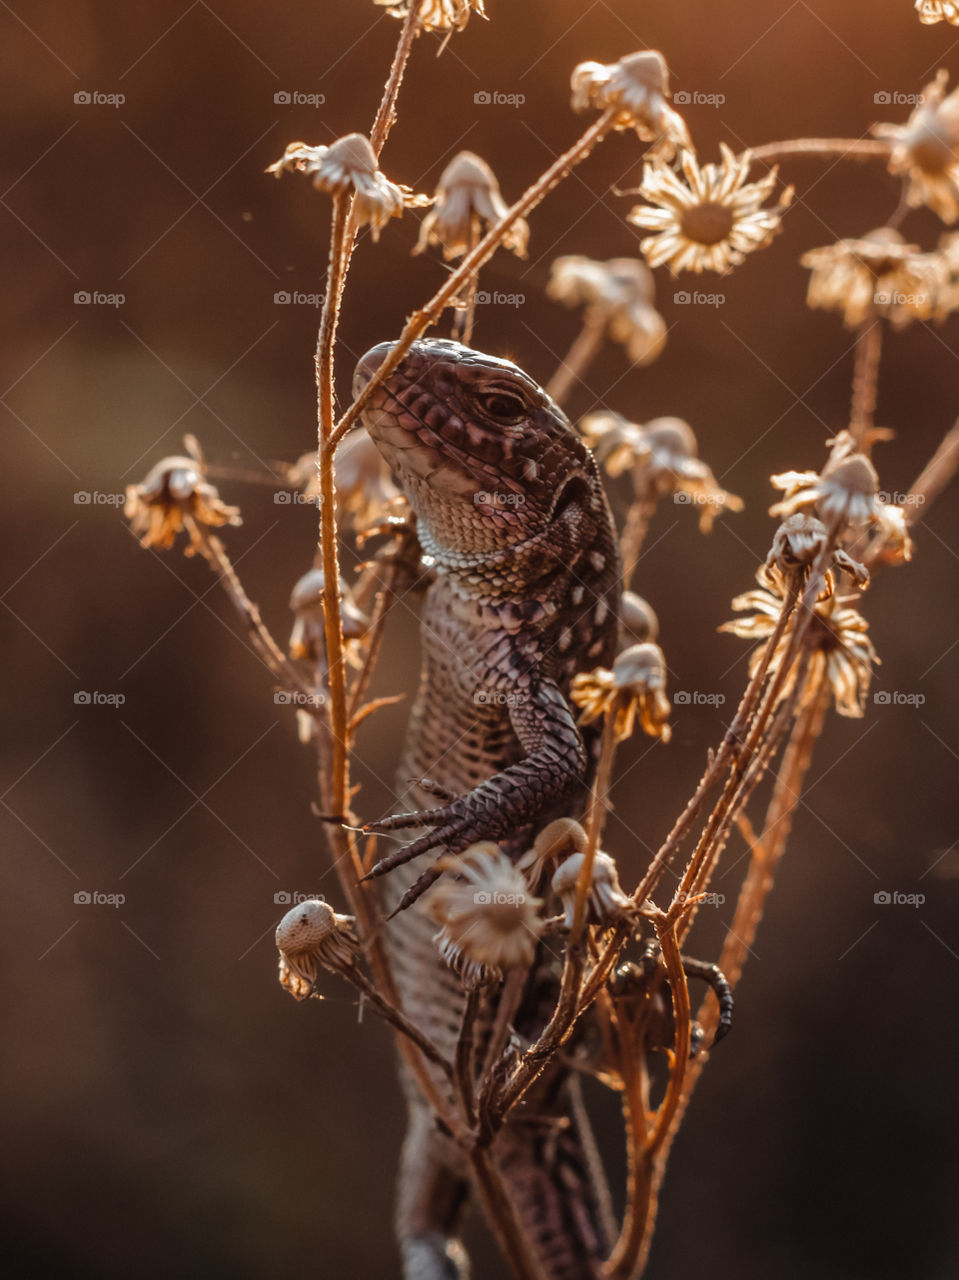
[(878, 274), (662, 459), (931, 11), (364, 486), (637, 619), (636, 686), (310, 935), (605, 903), (617, 296), (842, 653), (637, 87), (176, 495), (438, 15), (557, 840), (846, 490), (468, 200), (710, 221), (307, 640), (797, 544), (349, 164), (487, 915), (926, 148)]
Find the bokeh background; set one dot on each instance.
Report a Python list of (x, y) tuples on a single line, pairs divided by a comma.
[(167, 1109)]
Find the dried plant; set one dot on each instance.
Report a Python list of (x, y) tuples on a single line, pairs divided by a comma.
[(529, 941)]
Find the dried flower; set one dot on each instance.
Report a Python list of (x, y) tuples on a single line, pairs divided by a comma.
[(488, 916), (309, 935), (846, 491), (797, 543), (636, 685), (349, 164), (931, 11), (637, 86), (710, 221), (662, 458), (843, 654), (307, 640), (557, 840), (176, 495), (637, 619), (891, 543), (618, 297), (468, 200), (605, 903), (438, 15), (878, 274), (926, 147), (364, 486)]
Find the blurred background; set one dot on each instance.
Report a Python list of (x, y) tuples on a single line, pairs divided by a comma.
[(167, 1108)]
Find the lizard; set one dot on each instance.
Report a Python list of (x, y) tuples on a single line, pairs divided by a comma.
[(517, 534)]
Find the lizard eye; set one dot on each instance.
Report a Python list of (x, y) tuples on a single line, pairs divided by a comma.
[(502, 406)]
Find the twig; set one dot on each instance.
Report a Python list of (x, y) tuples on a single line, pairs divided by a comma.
[(845, 148), (935, 475), (585, 348), (862, 413)]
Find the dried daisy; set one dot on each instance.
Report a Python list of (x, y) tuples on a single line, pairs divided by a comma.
[(557, 840), (710, 221), (364, 486), (878, 274), (466, 202), (606, 903), (931, 11), (637, 87), (311, 935), (487, 915), (662, 459), (438, 15), (176, 495), (307, 639), (349, 165), (637, 619), (846, 491), (636, 686), (926, 149), (797, 544), (618, 300), (843, 654), (890, 543)]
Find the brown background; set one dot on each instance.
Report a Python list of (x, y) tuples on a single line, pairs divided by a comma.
[(168, 1110)]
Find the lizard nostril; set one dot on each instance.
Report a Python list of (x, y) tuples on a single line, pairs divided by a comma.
[(368, 364)]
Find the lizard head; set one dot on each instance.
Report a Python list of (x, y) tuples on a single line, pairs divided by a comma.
[(485, 457)]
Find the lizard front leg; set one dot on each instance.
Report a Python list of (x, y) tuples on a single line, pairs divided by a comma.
[(552, 769)]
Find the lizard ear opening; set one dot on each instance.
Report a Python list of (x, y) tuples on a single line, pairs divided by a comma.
[(575, 492)]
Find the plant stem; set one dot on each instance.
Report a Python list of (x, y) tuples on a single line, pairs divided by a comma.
[(845, 148), (585, 348), (862, 413)]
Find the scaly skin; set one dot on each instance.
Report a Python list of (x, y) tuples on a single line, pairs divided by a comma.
[(512, 516)]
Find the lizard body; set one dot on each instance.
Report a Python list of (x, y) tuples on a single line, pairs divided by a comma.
[(513, 519)]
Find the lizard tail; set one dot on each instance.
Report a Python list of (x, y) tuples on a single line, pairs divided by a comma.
[(556, 1184)]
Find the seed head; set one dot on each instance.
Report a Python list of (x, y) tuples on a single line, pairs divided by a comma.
[(617, 296), (307, 640), (636, 686), (176, 495), (467, 201), (878, 275), (637, 619), (606, 903), (637, 87), (797, 543), (437, 15), (847, 489), (926, 148), (312, 935)]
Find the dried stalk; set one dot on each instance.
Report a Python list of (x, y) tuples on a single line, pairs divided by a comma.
[(586, 346), (844, 148), (862, 413)]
